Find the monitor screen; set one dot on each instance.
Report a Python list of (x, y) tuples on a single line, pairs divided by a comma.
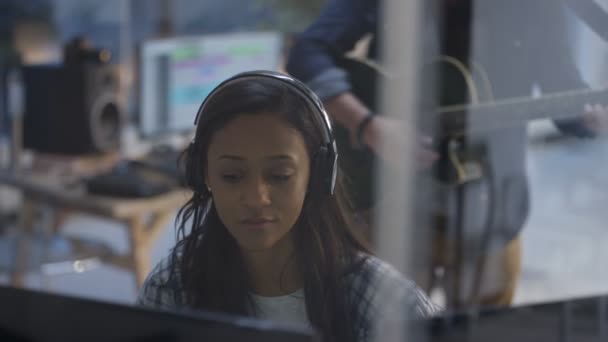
[(27, 315), (177, 74)]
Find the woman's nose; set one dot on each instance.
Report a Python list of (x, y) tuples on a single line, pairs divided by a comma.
[(256, 193)]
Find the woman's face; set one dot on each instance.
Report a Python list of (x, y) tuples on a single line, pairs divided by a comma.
[(258, 170)]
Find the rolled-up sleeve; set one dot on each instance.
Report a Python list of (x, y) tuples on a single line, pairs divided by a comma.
[(341, 24)]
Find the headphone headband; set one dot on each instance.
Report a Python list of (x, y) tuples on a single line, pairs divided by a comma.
[(309, 96)]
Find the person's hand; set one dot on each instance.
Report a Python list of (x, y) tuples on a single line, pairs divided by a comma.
[(392, 133), (595, 118)]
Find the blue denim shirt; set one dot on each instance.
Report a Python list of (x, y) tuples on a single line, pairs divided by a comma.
[(337, 29), (343, 23)]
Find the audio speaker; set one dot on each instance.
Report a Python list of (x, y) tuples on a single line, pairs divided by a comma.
[(72, 109)]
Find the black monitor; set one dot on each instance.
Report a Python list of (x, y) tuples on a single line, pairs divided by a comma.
[(27, 315), (176, 74), (574, 320)]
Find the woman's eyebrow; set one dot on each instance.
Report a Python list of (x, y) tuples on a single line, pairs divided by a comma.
[(277, 157), (230, 157), (281, 157)]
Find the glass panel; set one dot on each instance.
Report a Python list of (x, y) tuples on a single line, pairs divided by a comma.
[(471, 140)]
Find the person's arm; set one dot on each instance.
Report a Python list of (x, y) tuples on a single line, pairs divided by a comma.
[(312, 59)]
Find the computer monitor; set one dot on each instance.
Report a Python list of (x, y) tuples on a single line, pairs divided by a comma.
[(27, 315), (571, 320), (176, 74)]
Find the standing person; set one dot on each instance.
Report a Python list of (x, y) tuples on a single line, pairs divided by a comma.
[(520, 43), (267, 231)]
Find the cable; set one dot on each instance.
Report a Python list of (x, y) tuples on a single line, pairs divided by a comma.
[(466, 74)]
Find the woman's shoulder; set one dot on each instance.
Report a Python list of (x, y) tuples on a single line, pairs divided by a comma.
[(162, 287), (376, 284), (370, 270)]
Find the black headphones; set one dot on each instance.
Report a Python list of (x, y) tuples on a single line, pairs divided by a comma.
[(324, 161)]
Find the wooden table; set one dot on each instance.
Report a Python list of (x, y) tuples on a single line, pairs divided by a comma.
[(144, 218)]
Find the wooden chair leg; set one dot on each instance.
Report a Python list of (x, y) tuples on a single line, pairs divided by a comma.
[(142, 238), (156, 226), (140, 251), (61, 215)]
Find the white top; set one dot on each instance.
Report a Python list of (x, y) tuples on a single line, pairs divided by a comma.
[(287, 309)]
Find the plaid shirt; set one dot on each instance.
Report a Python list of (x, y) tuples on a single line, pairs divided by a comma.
[(375, 289)]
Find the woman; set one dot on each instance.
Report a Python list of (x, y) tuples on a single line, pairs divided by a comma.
[(262, 234)]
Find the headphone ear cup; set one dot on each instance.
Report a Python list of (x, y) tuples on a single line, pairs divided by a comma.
[(323, 177), (331, 170)]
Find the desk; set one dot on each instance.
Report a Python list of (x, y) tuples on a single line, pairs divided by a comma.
[(143, 218)]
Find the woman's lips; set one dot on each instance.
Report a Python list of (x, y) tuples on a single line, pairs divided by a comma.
[(258, 223)]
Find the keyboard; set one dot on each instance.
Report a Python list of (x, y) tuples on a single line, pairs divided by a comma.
[(164, 160), (130, 179)]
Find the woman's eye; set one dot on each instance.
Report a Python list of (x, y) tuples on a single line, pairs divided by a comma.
[(280, 178), (231, 178)]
